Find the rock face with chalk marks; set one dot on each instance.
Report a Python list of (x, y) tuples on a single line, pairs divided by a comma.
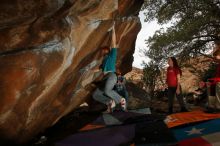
[(48, 48)]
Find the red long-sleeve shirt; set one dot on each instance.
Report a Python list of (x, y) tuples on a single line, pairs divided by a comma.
[(172, 73)]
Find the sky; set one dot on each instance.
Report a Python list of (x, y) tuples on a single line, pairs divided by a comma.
[(147, 30)]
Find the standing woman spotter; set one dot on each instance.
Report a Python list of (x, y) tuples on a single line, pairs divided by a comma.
[(174, 88)]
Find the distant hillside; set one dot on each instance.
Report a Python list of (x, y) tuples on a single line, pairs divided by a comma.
[(135, 75), (191, 74)]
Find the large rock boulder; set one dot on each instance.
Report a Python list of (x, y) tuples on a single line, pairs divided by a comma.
[(48, 50)]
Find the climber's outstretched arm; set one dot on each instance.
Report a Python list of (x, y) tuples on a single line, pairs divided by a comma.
[(114, 39)]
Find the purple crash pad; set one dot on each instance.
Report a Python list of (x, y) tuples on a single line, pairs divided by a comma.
[(109, 136)]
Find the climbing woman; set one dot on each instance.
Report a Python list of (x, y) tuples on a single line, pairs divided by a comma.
[(110, 78)]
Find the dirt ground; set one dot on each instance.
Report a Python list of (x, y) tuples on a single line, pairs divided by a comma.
[(74, 121)]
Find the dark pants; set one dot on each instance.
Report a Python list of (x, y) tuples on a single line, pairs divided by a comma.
[(171, 93)]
